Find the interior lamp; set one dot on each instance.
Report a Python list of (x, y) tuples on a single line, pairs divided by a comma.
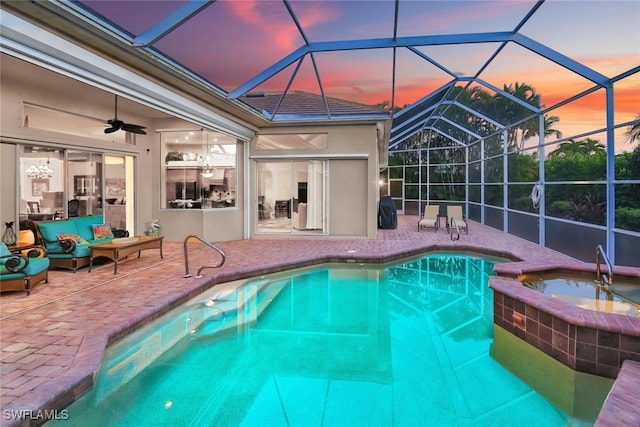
[(40, 171), (207, 172)]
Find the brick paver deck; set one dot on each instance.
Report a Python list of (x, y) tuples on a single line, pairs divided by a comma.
[(52, 341)]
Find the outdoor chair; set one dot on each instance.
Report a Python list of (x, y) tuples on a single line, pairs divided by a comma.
[(455, 217), (430, 218), (21, 273)]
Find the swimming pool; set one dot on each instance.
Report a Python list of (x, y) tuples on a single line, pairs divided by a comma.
[(404, 344)]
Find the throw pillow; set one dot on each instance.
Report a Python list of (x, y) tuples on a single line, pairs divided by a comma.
[(101, 231), (75, 237)]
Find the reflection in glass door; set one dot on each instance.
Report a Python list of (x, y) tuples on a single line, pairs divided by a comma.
[(84, 183), (41, 180), (396, 191), (291, 196), (118, 189)]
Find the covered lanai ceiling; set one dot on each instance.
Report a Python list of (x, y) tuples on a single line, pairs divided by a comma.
[(402, 56)]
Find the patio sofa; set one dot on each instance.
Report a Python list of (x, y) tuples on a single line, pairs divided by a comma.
[(67, 242), (19, 272)]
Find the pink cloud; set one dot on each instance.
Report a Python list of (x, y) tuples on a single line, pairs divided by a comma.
[(273, 19)]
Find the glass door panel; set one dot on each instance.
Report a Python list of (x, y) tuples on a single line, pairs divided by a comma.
[(396, 191), (308, 209), (41, 180), (84, 188), (274, 191), (116, 183), (291, 196)]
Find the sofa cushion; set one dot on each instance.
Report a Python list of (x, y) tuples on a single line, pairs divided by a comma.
[(51, 230), (75, 237), (101, 231), (82, 250), (4, 250), (36, 265), (5, 274), (84, 225), (79, 251)]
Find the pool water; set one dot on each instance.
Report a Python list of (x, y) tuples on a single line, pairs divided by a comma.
[(337, 345), (584, 291)]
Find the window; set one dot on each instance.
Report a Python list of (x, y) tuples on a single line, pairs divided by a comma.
[(200, 170), (292, 141)]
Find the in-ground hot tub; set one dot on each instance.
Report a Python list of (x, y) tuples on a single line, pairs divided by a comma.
[(586, 340), (583, 290)]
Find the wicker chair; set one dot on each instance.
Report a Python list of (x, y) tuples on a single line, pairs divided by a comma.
[(21, 273)]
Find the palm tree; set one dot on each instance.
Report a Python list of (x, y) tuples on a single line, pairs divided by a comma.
[(592, 146), (633, 133), (529, 129), (584, 147)]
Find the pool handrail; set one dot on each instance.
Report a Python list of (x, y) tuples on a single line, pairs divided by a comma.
[(455, 227), (209, 244), (608, 278)]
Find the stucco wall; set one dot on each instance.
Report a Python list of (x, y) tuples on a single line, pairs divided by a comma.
[(60, 92), (8, 209), (352, 154), (354, 142)]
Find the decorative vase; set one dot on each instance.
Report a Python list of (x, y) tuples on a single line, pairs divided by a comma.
[(9, 236)]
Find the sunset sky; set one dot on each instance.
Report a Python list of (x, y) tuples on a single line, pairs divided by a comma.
[(231, 41)]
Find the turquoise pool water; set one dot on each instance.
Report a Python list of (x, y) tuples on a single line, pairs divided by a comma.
[(339, 345)]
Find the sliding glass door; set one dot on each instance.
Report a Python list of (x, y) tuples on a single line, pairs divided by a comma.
[(56, 183), (84, 184), (118, 175), (291, 196), (41, 179)]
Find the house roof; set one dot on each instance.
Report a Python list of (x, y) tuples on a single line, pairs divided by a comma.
[(302, 105)]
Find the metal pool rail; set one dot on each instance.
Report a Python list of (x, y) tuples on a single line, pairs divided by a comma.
[(456, 229), (603, 278), (209, 244)]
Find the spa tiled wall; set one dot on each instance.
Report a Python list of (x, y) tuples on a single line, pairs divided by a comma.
[(585, 340)]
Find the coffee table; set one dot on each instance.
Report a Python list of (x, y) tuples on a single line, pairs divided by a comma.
[(118, 249)]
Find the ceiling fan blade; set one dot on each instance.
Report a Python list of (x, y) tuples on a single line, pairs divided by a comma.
[(133, 128), (115, 125), (119, 124)]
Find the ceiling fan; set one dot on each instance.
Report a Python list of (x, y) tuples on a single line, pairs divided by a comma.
[(120, 125)]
